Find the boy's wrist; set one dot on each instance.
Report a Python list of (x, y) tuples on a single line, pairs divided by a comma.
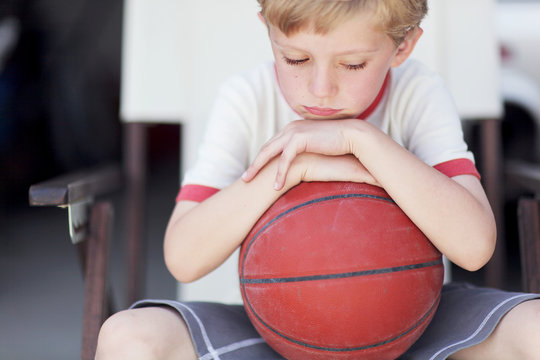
[(361, 137), (269, 172)]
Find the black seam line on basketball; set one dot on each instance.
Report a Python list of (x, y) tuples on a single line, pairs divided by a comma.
[(326, 198), (270, 222), (341, 275), (314, 201), (357, 348)]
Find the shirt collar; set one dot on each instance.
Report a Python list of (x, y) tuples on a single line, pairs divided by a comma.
[(371, 108)]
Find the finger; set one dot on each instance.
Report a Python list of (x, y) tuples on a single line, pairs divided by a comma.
[(267, 153), (284, 164)]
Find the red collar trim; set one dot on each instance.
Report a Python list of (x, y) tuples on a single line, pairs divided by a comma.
[(377, 100)]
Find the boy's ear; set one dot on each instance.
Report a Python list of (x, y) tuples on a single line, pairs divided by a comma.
[(407, 46)]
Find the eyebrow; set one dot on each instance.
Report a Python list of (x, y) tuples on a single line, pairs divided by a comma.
[(347, 52)]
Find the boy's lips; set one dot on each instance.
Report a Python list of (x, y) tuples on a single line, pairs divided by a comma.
[(315, 110)]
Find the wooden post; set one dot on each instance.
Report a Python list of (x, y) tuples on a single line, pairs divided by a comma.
[(529, 238), (96, 284), (492, 174), (135, 164)]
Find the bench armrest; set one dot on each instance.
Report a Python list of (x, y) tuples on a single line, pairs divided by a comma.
[(74, 187), (77, 191)]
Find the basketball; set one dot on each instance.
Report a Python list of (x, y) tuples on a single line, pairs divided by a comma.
[(336, 270)]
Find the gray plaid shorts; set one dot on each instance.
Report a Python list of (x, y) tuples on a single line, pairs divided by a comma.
[(465, 317)]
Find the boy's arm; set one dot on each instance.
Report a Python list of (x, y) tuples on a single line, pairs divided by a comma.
[(200, 236), (453, 213)]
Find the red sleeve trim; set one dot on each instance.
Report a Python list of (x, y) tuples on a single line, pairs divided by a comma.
[(458, 167), (197, 193)]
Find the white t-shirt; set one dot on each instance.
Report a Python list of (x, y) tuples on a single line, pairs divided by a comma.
[(413, 107)]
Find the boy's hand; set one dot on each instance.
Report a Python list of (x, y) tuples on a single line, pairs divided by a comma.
[(317, 167), (326, 137)]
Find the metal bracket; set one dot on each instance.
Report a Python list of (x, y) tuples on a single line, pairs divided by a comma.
[(79, 219)]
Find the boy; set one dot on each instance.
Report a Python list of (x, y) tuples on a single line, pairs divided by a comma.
[(341, 102)]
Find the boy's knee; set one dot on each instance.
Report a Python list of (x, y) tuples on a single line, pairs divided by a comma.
[(521, 330), (115, 333), (130, 334), (531, 324), (144, 333)]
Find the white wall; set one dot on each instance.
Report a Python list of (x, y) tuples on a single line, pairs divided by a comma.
[(460, 41), (175, 54)]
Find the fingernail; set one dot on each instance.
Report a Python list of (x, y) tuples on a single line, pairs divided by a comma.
[(244, 175), (276, 186)]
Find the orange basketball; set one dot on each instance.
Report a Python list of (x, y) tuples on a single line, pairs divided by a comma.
[(336, 270)]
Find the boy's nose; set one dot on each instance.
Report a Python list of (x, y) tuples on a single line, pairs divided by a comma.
[(322, 83)]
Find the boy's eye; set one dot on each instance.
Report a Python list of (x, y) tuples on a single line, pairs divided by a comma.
[(295, 61), (355, 66)]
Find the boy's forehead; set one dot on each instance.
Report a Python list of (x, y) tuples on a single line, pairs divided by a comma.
[(358, 34)]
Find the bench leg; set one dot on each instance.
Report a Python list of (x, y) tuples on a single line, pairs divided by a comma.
[(492, 158), (135, 168), (529, 241), (96, 299)]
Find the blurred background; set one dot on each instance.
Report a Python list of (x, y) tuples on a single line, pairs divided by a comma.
[(59, 88), (60, 67), (59, 104)]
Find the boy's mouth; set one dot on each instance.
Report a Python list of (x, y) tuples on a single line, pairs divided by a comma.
[(318, 111)]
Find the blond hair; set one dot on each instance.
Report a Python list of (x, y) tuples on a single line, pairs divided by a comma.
[(395, 17)]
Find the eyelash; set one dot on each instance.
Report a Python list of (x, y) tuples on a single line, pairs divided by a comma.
[(355, 66), (294, 62)]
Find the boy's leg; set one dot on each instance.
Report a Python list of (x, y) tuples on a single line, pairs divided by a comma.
[(517, 336), (145, 333)]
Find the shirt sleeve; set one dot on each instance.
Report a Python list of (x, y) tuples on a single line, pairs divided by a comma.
[(197, 193), (223, 153), (428, 124), (458, 167)]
